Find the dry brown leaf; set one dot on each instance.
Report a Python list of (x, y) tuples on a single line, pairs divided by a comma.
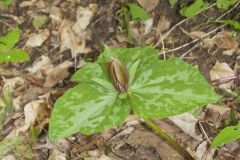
[(13, 83), (148, 5), (34, 112), (163, 23), (37, 40), (73, 36), (222, 40), (57, 155), (56, 15), (222, 70), (225, 41), (43, 64), (58, 74), (148, 25), (9, 157), (217, 114), (187, 123)]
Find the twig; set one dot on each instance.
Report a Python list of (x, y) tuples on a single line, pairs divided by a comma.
[(230, 10), (5, 23), (181, 22), (204, 36), (205, 134), (191, 49), (196, 40)]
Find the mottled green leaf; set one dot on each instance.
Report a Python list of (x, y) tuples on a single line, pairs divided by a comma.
[(225, 4), (86, 108), (193, 9), (138, 12), (228, 134), (168, 88), (87, 72), (129, 55), (11, 38)]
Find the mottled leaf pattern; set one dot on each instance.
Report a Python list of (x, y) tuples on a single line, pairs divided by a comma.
[(157, 89), (168, 88), (87, 72), (129, 55), (86, 108)]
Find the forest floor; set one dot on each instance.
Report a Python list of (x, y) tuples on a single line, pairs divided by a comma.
[(56, 51)]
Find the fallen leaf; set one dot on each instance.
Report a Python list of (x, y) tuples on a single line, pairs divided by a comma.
[(37, 40), (56, 15), (148, 25), (222, 40), (41, 64), (217, 114), (187, 123), (57, 155), (34, 112), (9, 157), (13, 83), (222, 70), (201, 149), (163, 23), (148, 5), (73, 36), (58, 74), (225, 41)]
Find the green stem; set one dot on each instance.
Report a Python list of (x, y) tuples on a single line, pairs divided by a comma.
[(174, 144)]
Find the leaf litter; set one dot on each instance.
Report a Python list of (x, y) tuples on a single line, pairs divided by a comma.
[(70, 35)]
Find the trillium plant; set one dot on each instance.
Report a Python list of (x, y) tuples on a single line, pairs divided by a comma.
[(124, 80)]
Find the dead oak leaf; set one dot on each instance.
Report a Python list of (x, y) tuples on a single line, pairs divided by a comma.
[(37, 40), (148, 5), (73, 36), (222, 70), (187, 123), (58, 74)]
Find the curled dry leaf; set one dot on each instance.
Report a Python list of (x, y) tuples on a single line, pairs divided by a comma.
[(57, 155), (56, 15), (13, 83), (58, 74), (148, 25), (73, 36), (222, 40), (148, 5), (187, 123), (41, 64), (37, 40), (34, 112), (222, 70), (217, 114)]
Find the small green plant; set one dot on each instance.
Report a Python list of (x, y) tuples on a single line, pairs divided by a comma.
[(5, 105), (131, 11), (197, 6), (5, 3), (227, 135), (8, 53), (124, 80)]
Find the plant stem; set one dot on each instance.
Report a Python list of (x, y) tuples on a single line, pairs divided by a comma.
[(174, 144)]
